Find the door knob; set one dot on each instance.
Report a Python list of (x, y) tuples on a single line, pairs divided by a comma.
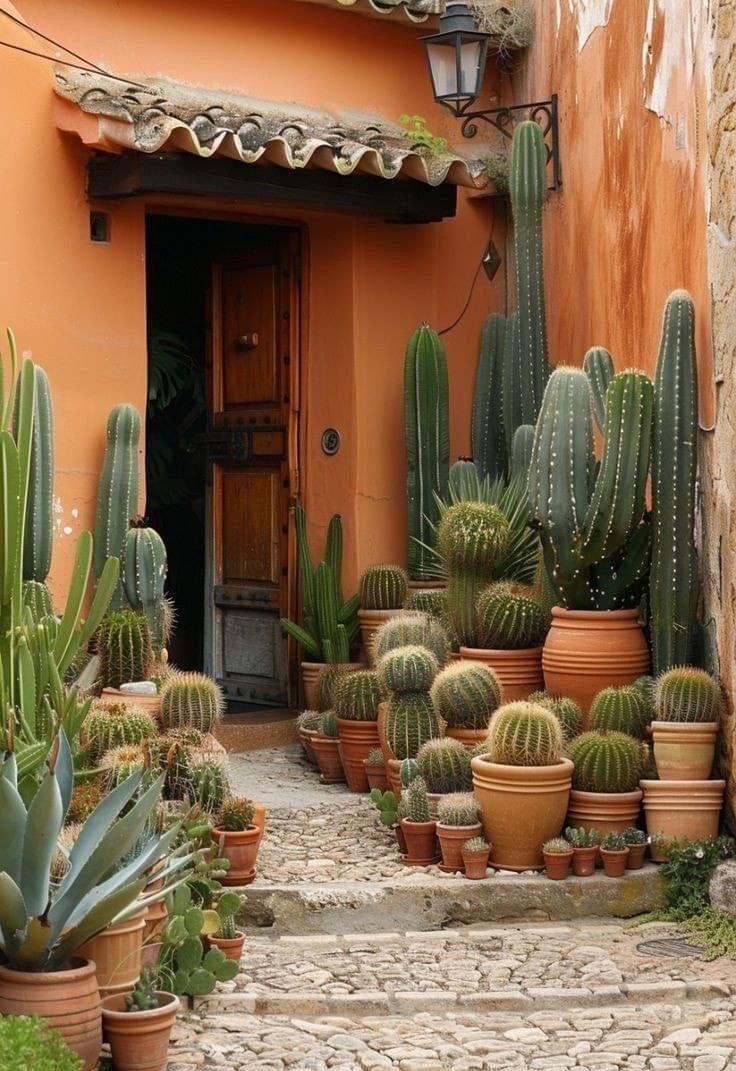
[(248, 341)]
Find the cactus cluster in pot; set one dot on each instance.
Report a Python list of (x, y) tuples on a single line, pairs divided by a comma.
[(688, 705), (407, 674), (466, 694), (687, 694)]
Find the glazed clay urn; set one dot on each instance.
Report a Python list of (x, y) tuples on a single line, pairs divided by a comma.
[(519, 672), (684, 751)]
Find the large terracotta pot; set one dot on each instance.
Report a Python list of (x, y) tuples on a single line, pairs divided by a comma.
[(69, 1001), (151, 703), (232, 947), (682, 810), (587, 650), (117, 954), (357, 739), (421, 842), (139, 1041), (327, 752), (684, 751), (470, 738), (521, 808), (370, 622), (241, 848), (608, 812), (376, 776), (519, 672), (452, 839)]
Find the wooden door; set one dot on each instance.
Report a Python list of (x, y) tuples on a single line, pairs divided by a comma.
[(254, 337)]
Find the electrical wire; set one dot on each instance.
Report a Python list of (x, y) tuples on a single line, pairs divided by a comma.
[(466, 306), (50, 41)]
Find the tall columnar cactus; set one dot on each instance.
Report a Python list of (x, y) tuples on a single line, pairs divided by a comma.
[(487, 436), (510, 617), (445, 766), (673, 580), (566, 711), (623, 710), (598, 367), (38, 533), (191, 700), (524, 734), (144, 576), (528, 187), (37, 597), (417, 807), (607, 762), (413, 627), (382, 587), (124, 646), (466, 694), (408, 669), (117, 492), (593, 527), (358, 695), (472, 537), (427, 428), (688, 694), (521, 452)]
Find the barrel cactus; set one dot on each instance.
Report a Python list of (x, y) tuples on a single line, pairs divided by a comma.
[(510, 617), (607, 762), (119, 763), (191, 700), (458, 809), (117, 725), (144, 576), (417, 805), (566, 710), (411, 721), (408, 669), (432, 601), (328, 725), (688, 694), (124, 647), (357, 695), (647, 686), (382, 587), (327, 682), (524, 734), (445, 766), (466, 694), (623, 710), (413, 629), (210, 785), (472, 538)]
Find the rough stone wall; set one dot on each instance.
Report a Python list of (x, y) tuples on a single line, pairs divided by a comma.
[(718, 453)]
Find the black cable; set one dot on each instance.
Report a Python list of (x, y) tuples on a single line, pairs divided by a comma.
[(469, 298), (51, 41), (76, 66)]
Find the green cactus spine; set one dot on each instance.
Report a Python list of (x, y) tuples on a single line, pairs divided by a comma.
[(191, 700), (524, 734), (38, 533), (144, 576), (510, 617), (445, 766), (413, 628), (117, 493), (411, 721), (108, 727), (408, 669), (210, 785), (598, 367), (124, 646), (417, 806), (466, 694), (383, 587), (427, 428), (357, 696), (689, 695), (566, 711), (472, 537), (607, 762), (673, 580), (623, 710), (528, 187), (487, 436)]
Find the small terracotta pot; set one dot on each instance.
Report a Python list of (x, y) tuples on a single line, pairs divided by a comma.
[(636, 856), (521, 808), (614, 862), (305, 738), (608, 812), (588, 650), (393, 775), (69, 1001), (452, 839), (583, 861), (376, 776), (682, 810), (470, 738), (400, 838), (557, 864), (476, 864), (117, 953), (684, 751), (241, 848), (327, 752), (139, 1041), (357, 739), (519, 672), (370, 622), (231, 946), (421, 842)]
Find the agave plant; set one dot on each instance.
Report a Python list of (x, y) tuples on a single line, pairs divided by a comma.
[(42, 925)]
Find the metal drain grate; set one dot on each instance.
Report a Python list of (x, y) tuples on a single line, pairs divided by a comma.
[(665, 946)]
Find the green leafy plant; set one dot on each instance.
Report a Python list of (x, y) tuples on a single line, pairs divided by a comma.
[(416, 130), (687, 872), (27, 1043), (183, 966), (632, 835)]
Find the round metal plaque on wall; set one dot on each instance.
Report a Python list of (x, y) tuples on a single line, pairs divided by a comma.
[(331, 441)]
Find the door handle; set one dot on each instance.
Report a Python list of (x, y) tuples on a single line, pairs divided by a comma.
[(248, 341)]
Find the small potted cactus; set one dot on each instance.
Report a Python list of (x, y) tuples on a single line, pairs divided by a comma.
[(409, 717), (227, 938), (191, 701), (382, 592), (636, 841), (510, 628), (238, 838), (444, 764), (375, 770), (326, 747), (558, 855), (585, 844), (475, 854), (688, 704), (413, 629), (566, 710), (457, 823), (614, 853), (465, 696), (356, 700), (307, 726), (606, 794), (420, 830), (522, 784), (138, 1025)]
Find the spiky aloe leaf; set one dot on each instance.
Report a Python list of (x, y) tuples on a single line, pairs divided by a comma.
[(14, 815), (42, 827)]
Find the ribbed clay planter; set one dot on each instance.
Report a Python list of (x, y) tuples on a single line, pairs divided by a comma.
[(232, 947), (370, 622), (608, 812), (475, 864), (376, 776), (357, 739), (452, 839), (588, 650), (117, 952), (636, 856), (470, 738), (583, 861), (682, 810), (139, 1041), (305, 738), (557, 864), (241, 848), (684, 751), (421, 843), (327, 751), (69, 1001), (521, 808), (519, 672), (614, 862)]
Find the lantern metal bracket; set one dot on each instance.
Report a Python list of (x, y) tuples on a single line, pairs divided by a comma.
[(504, 119)]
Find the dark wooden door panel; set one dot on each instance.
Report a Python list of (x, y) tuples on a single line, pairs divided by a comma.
[(250, 332), (250, 527)]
